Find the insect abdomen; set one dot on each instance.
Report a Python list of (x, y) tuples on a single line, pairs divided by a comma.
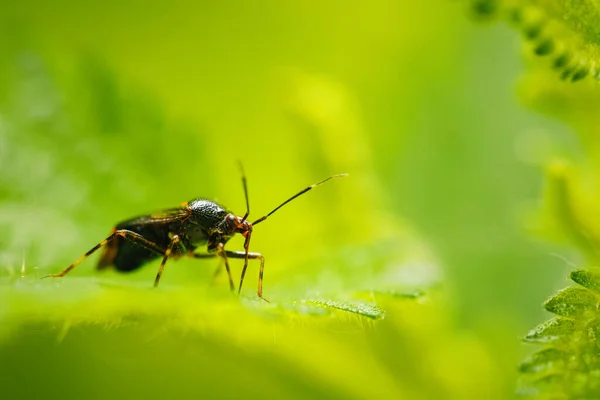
[(127, 256)]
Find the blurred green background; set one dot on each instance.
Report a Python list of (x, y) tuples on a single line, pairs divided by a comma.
[(415, 277)]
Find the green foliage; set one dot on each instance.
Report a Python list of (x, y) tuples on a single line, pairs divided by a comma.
[(562, 43), (569, 364), (563, 32), (159, 103), (349, 316)]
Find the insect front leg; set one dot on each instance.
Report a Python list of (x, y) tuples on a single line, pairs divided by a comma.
[(251, 256), (175, 241), (219, 253), (125, 234)]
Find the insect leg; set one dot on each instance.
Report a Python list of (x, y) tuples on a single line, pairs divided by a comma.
[(223, 254), (216, 273), (224, 257), (175, 240), (125, 234), (246, 246), (251, 256)]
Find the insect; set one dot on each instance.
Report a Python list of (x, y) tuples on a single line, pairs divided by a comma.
[(180, 231)]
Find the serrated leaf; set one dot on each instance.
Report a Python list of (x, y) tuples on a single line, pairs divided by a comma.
[(568, 26), (591, 358), (399, 294), (588, 278), (593, 329), (555, 330), (363, 309), (550, 380), (543, 360), (572, 302)]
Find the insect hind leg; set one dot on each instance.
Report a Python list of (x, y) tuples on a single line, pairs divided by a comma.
[(125, 234)]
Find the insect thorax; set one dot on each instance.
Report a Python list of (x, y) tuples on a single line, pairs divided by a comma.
[(206, 219), (206, 213)]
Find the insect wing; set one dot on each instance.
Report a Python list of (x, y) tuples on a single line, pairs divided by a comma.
[(162, 216), (126, 256)]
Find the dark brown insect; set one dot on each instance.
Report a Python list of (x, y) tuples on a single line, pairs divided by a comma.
[(179, 231)]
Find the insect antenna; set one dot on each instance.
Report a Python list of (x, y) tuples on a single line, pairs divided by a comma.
[(261, 219), (245, 191)]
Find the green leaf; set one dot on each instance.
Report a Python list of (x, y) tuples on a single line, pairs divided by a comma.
[(544, 47), (572, 302), (559, 329), (333, 270), (564, 26), (562, 47), (593, 329), (364, 309), (546, 359), (571, 368), (588, 278)]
